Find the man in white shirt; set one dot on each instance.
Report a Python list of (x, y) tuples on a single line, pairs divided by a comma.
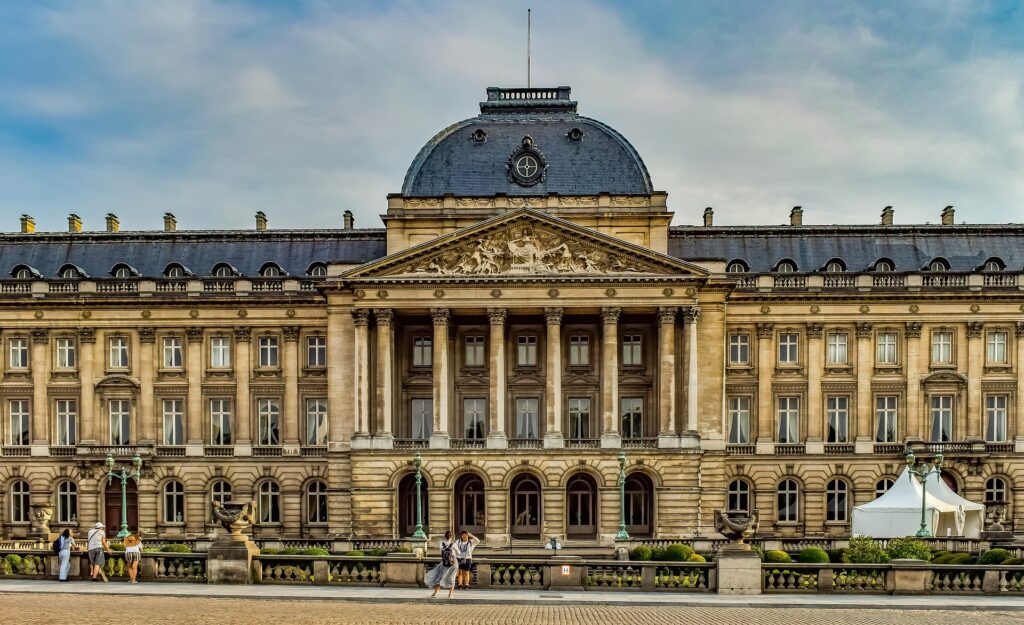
[(464, 552), (98, 548)]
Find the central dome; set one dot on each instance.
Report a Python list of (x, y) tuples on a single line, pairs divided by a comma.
[(527, 142)]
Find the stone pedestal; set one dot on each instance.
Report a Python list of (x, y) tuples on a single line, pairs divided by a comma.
[(403, 570), (229, 561), (565, 573), (739, 572), (910, 577)]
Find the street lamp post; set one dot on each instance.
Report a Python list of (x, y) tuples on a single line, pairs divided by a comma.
[(623, 534), (922, 472), (123, 474), (417, 462)]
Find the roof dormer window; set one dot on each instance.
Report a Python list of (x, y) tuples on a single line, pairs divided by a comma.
[(786, 266), (835, 266), (317, 270), (737, 266), (24, 272), (174, 270), (938, 264), (884, 264), (994, 264), (70, 272), (224, 270), (123, 271), (271, 270)]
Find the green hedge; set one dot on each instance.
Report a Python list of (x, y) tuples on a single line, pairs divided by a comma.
[(641, 553), (674, 553), (865, 550), (176, 548), (777, 556), (836, 556), (908, 548), (696, 558), (813, 555), (316, 551), (994, 556), (1013, 561)]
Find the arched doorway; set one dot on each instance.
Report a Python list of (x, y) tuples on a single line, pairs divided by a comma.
[(639, 505), (407, 505), (112, 503), (525, 507), (950, 481), (470, 510), (581, 506)]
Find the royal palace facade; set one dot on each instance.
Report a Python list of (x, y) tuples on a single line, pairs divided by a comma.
[(527, 319)]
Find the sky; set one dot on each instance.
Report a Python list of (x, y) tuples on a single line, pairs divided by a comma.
[(213, 110)]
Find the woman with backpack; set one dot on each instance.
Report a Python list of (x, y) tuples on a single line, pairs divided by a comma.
[(443, 575), (67, 543)]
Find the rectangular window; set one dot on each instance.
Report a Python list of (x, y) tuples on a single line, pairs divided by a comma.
[(886, 348), (885, 418), (995, 418), (942, 418), (579, 350), (739, 420), (632, 345), (789, 343), (120, 422), (739, 349), (837, 414), (18, 350), (526, 351), (789, 420), (526, 417), (220, 352), (422, 351), (267, 347), (579, 417), (422, 418), (837, 353), (67, 421), (19, 421), (220, 421), (474, 418), (632, 411), (172, 352), (316, 351), (269, 411), (174, 426), (316, 422), (942, 348), (118, 352), (67, 353), (475, 356), (997, 347)]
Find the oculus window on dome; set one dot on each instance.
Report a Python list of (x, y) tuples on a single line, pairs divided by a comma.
[(526, 165)]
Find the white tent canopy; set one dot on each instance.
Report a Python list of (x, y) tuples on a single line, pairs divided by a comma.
[(898, 512)]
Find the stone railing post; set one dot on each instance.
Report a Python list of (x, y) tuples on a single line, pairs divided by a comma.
[(647, 575), (147, 569), (825, 580), (483, 575), (565, 573), (910, 577), (402, 570), (990, 582), (321, 572)]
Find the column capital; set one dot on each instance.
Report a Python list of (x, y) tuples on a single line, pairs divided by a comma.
[(194, 334), (147, 335), (610, 314), (974, 329), (361, 316), (87, 335), (913, 329), (765, 330), (40, 335), (291, 333), (667, 314), (691, 314), (384, 316), (864, 330), (814, 330), (441, 316), (553, 316), (243, 334), (497, 316), (1020, 329)]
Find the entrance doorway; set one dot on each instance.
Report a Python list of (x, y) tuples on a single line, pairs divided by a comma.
[(112, 501)]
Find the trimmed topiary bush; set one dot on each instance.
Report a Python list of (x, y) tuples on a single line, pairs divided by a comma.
[(835, 556), (943, 559), (1013, 562), (377, 553), (696, 558), (354, 553), (116, 546), (269, 551), (777, 556), (290, 551), (315, 551), (640, 553), (865, 550), (176, 548), (658, 554), (961, 558), (677, 553), (813, 555), (908, 548), (994, 556)]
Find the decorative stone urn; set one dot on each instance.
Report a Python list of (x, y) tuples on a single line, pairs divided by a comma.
[(41, 515), (234, 516), (736, 525), (229, 558)]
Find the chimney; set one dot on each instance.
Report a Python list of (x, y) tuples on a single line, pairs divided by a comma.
[(348, 220), (887, 214), (170, 222), (74, 223), (709, 217), (796, 216), (28, 225), (947, 216), (261, 220), (113, 224)]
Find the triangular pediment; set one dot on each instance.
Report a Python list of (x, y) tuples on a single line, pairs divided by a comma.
[(525, 243)]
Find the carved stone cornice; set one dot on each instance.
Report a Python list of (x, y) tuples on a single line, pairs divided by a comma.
[(497, 316), (553, 316), (1020, 328), (691, 314), (765, 330), (194, 334), (243, 334), (667, 314), (864, 330), (913, 329), (361, 317), (291, 333), (610, 315), (974, 329), (441, 316), (147, 335), (40, 335), (86, 335), (815, 330), (384, 316)]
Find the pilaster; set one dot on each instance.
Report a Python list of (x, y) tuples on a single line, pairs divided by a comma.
[(361, 378), (496, 437), (610, 435), (667, 431), (553, 438), (441, 438), (384, 437)]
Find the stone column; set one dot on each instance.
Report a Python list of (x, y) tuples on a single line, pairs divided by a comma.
[(1019, 430), (86, 409), (146, 414), (39, 435), (293, 415), (864, 443), (667, 430), (441, 439), (361, 378), (610, 436), (912, 427), (690, 437), (242, 421), (765, 370), (815, 363), (384, 437), (194, 409), (340, 378), (553, 432), (496, 438), (975, 367)]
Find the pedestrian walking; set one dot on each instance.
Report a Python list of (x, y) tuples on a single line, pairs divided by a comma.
[(67, 543), (443, 575), (132, 556), (98, 550), (464, 552)]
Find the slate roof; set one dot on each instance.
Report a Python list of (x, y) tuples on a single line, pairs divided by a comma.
[(966, 247), (452, 162)]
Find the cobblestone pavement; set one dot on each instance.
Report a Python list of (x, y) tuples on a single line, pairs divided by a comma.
[(25, 609)]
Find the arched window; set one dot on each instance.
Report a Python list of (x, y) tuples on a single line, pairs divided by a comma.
[(993, 264), (739, 496), (950, 481), (20, 500), (995, 490), (525, 496), (174, 502), (938, 264), (122, 271), (884, 264), (470, 504), (67, 502), (269, 502), (835, 265), (581, 506), (23, 272), (175, 270), (271, 270), (222, 270), (788, 501), (220, 491), (639, 505), (882, 486), (317, 270), (69, 272), (316, 502), (407, 505), (837, 501), (785, 266), (736, 266)]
